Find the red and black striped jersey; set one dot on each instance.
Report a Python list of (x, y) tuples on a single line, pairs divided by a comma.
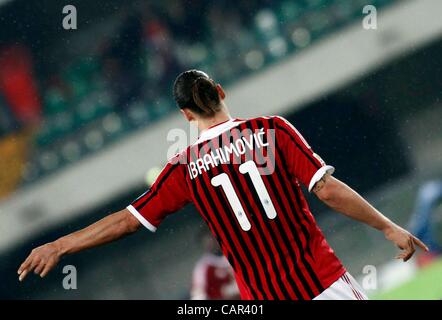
[(244, 178)]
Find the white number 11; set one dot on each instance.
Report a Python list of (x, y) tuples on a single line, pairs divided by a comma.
[(224, 181)]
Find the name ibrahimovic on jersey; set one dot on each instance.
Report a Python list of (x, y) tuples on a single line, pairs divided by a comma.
[(246, 146), (244, 177)]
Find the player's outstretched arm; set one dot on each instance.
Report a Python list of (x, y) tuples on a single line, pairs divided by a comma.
[(342, 198), (42, 259)]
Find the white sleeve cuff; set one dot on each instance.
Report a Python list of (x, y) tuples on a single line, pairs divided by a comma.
[(140, 218), (319, 174)]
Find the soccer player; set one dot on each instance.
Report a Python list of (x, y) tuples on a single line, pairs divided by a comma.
[(244, 176), (213, 277)]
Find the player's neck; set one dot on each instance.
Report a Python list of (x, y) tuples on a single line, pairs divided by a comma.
[(221, 116)]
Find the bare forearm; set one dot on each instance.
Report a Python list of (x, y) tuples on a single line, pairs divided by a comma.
[(342, 198), (44, 258), (106, 230), (347, 201)]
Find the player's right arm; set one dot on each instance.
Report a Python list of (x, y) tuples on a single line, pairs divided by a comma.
[(168, 194), (308, 168), (340, 197)]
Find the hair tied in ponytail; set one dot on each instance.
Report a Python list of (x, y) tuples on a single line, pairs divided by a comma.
[(205, 95), (196, 91)]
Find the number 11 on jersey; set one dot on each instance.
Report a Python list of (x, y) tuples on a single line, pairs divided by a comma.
[(251, 169)]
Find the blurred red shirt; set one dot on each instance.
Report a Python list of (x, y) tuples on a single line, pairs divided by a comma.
[(213, 279)]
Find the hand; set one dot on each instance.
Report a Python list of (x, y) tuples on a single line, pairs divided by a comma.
[(404, 240), (41, 260)]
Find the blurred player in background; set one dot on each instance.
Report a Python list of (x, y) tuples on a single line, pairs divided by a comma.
[(424, 220), (244, 177), (213, 277)]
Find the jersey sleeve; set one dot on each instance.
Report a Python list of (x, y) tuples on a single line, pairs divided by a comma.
[(167, 194), (302, 163)]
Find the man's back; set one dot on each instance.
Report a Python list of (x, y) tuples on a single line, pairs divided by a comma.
[(243, 176)]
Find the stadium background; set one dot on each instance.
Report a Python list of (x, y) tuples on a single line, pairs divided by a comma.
[(84, 116)]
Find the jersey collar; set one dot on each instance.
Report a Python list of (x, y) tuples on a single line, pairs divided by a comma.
[(217, 129)]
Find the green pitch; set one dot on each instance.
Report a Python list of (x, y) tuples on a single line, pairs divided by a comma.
[(426, 285)]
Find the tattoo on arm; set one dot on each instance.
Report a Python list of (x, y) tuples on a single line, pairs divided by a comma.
[(320, 184)]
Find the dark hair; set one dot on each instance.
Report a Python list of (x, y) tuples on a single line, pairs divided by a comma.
[(193, 89)]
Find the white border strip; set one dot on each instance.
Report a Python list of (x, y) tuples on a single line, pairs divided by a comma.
[(319, 174), (140, 218)]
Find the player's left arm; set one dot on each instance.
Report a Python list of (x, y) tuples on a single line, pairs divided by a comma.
[(340, 197), (167, 195), (44, 258)]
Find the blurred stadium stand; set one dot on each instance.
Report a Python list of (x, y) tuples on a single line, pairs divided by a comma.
[(105, 94), (123, 82)]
